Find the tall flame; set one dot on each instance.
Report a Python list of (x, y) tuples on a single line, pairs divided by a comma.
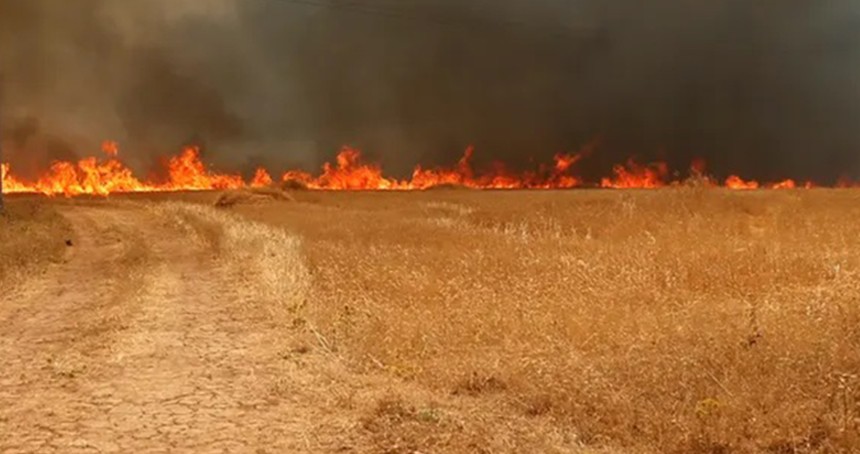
[(261, 179), (187, 172)]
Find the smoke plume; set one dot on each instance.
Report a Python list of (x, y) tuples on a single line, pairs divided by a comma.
[(766, 89)]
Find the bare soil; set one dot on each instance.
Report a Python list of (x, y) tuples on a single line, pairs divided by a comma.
[(31, 234)]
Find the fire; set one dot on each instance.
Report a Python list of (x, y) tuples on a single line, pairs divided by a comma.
[(351, 174), (90, 176), (187, 172), (261, 179), (110, 148), (10, 184), (633, 175), (698, 167), (736, 182), (845, 183), (462, 175), (497, 177), (785, 184), (303, 179)]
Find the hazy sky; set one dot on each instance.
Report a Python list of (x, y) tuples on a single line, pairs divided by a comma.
[(767, 88)]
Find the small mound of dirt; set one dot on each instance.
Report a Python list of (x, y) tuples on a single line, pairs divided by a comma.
[(250, 196), (447, 187), (293, 185)]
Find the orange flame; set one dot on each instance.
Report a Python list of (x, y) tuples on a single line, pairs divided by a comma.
[(784, 184), (736, 182), (10, 184), (635, 176), (110, 148), (187, 172), (261, 179), (497, 177), (351, 174)]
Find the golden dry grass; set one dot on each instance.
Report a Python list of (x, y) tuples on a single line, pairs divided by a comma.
[(32, 233), (251, 195), (682, 320), (267, 259), (447, 187)]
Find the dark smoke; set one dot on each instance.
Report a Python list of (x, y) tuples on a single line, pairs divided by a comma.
[(77, 73), (764, 88)]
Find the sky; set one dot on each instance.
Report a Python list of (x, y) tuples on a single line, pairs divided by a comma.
[(768, 89)]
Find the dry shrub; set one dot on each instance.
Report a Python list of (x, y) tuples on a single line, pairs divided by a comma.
[(677, 320), (251, 196)]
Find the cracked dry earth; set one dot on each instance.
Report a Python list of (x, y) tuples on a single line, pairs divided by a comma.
[(161, 331)]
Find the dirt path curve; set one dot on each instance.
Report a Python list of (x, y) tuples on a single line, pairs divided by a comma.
[(163, 331)]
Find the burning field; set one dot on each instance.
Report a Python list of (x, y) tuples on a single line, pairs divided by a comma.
[(558, 226), (187, 172), (684, 319), (676, 320)]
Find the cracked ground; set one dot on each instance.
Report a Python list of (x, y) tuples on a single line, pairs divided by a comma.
[(156, 334), (170, 326)]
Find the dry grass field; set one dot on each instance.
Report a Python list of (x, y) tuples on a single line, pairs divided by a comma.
[(677, 320), (665, 321)]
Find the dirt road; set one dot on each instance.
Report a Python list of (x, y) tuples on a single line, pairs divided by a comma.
[(173, 327), (161, 331)]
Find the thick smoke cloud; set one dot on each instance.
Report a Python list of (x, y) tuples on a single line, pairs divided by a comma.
[(766, 88), (77, 73)]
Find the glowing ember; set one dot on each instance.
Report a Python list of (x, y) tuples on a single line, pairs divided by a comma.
[(187, 172)]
